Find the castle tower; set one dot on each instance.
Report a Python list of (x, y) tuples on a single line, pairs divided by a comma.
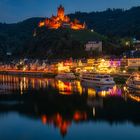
[(61, 20), (61, 12)]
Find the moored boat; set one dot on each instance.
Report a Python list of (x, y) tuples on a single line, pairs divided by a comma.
[(68, 76), (134, 81), (97, 87), (100, 79)]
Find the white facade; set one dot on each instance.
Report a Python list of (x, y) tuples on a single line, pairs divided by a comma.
[(136, 44), (94, 45), (134, 62)]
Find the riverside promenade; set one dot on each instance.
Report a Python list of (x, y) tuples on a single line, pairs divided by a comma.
[(49, 74)]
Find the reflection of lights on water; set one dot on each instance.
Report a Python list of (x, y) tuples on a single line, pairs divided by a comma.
[(61, 123), (21, 87), (44, 119), (104, 93), (25, 80), (64, 87), (94, 112), (23, 84), (115, 91), (135, 98), (79, 116), (33, 83), (91, 92), (69, 87), (40, 83), (79, 87)]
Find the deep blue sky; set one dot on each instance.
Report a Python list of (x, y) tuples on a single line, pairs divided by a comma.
[(17, 10)]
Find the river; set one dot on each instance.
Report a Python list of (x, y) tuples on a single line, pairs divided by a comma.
[(41, 108)]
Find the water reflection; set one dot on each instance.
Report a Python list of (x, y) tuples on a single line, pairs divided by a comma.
[(11, 83), (57, 120), (64, 103), (132, 94)]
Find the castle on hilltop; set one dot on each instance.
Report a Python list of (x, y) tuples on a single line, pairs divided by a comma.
[(61, 21)]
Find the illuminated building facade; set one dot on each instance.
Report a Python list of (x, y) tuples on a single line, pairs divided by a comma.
[(61, 21)]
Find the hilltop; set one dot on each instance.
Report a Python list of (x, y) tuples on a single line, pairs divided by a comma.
[(112, 23)]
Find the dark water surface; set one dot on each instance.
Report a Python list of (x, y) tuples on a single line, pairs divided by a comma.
[(41, 108)]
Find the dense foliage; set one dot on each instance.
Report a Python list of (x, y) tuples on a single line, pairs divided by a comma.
[(61, 43), (116, 22), (117, 25)]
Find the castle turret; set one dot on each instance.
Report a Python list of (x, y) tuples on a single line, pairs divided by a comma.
[(61, 12), (61, 20)]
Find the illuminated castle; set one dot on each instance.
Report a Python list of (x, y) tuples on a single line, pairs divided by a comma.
[(61, 20)]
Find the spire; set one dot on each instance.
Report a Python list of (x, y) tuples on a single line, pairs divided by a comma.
[(61, 20), (61, 12)]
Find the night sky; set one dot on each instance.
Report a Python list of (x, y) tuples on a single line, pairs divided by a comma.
[(17, 10)]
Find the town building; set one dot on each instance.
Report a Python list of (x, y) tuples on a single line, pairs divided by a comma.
[(136, 44), (133, 63), (94, 46)]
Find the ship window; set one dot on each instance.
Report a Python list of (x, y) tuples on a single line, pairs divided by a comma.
[(96, 79)]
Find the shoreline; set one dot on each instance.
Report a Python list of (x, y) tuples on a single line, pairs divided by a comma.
[(49, 74), (29, 73)]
